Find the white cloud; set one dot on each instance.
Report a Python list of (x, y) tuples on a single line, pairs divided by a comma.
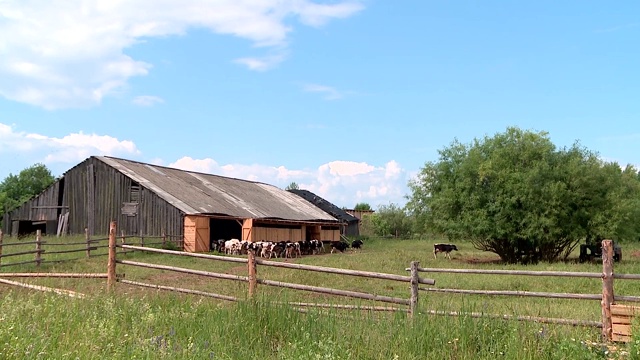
[(147, 100), (198, 165), (68, 149), (330, 93), (344, 183), (263, 63), (71, 53)]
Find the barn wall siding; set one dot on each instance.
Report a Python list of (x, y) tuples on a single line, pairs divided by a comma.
[(111, 189), (43, 207)]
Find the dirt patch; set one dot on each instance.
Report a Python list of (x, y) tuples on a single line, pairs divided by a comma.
[(636, 254)]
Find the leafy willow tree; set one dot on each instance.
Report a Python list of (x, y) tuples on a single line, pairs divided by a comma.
[(391, 220), (517, 195), (362, 207), (16, 189), (293, 186)]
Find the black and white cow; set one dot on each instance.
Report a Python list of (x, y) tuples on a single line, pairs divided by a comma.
[(339, 245), (444, 248), (356, 244)]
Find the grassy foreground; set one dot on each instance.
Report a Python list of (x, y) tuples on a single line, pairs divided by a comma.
[(46, 326), (136, 323)]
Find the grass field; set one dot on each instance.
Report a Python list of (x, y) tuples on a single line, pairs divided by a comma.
[(142, 323)]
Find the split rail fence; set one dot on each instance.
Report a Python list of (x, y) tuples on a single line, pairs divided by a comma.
[(615, 327), (45, 251), (615, 322), (253, 281)]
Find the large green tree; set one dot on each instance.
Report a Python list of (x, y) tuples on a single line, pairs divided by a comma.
[(16, 189), (517, 195)]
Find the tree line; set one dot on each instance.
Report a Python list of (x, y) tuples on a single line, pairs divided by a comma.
[(16, 189)]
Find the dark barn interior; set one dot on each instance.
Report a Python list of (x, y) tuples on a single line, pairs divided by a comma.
[(224, 229)]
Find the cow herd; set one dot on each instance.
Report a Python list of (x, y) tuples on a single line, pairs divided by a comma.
[(280, 249), (292, 249)]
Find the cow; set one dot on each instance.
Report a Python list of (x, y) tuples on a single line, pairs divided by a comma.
[(356, 244), (217, 245), (443, 248), (232, 247), (339, 245), (292, 249), (316, 247)]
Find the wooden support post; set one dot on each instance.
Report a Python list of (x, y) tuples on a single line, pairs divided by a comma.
[(123, 241), (141, 239), (111, 262), (38, 247), (607, 289), (86, 237), (164, 239), (415, 281), (1, 236), (251, 264)]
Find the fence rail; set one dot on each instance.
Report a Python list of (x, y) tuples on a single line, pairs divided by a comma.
[(548, 295), (367, 274), (181, 290), (91, 245), (512, 272), (607, 298), (253, 279)]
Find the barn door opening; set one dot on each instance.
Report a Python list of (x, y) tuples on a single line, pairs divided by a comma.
[(224, 229)]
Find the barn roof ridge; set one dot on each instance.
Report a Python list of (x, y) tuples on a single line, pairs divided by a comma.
[(325, 205), (175, 168)]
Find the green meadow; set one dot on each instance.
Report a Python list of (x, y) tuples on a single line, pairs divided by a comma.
[(139, 323)]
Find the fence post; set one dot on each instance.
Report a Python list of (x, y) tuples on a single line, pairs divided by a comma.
[(251, 264), (607, 289), (415, 281), (141, 239), (164, 239), (86, 237), (123, 242), (111, 263), (38, 247), (1, 236)]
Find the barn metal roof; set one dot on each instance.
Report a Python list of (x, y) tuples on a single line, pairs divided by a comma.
[(325, 205), (198, 193)]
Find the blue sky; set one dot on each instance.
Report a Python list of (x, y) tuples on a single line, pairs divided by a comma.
[(348, 99)]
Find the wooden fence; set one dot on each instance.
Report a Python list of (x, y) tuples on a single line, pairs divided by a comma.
[(615, 319), (43, 247), (253, 280), (38, 260), (607, 298), (90, 245)]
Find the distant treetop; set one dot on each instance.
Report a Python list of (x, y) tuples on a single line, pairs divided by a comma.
[(362, 207), (293, 186)]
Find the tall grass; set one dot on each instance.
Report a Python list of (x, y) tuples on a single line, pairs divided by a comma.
[(140, 323), (44, 326)]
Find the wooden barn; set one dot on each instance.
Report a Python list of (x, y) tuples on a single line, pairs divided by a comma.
[(151, 200), (350, 223)]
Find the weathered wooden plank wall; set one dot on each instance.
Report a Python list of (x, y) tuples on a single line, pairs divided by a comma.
[(96, 209)]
